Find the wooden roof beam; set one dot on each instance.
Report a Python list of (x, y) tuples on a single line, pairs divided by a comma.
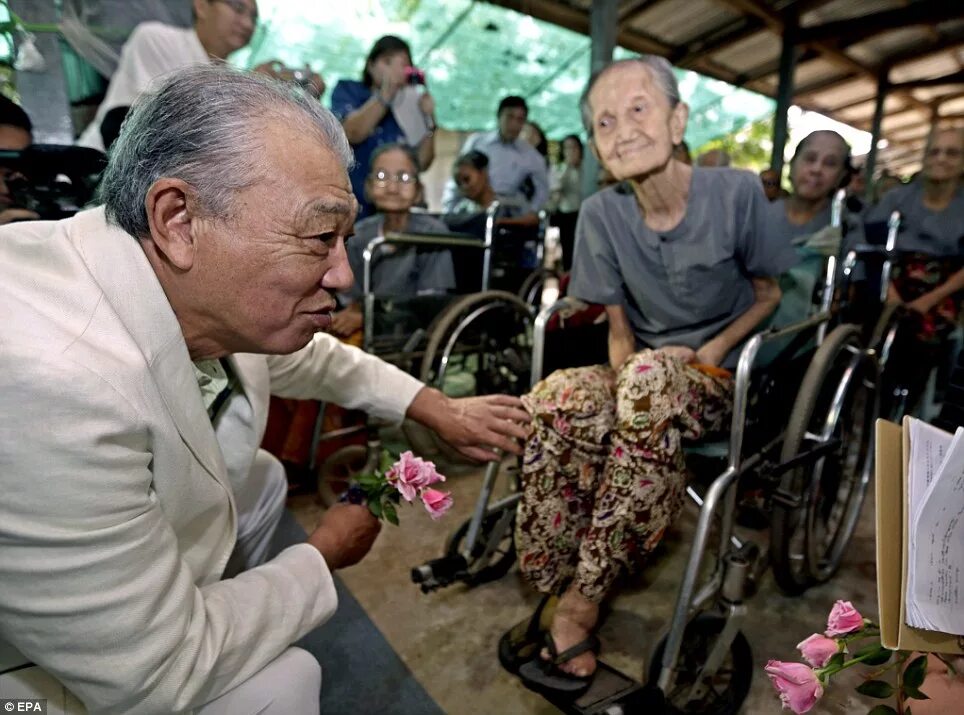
[(633, 9), (716, 40), (926, 12)]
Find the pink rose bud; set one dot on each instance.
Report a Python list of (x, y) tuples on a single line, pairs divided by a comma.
[(797, 684), (436, 502), (843, 619), (818, 649), (411, 474)]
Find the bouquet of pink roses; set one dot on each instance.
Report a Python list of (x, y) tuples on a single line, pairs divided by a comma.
[(409, 478), (801, 685)]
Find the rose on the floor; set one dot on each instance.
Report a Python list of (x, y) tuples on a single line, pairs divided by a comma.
[(405, 477)]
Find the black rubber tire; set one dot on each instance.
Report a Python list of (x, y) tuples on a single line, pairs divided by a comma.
[(536, 279), (449, 318), (795, 573), (337, 470), (697, 640), (501, 561)]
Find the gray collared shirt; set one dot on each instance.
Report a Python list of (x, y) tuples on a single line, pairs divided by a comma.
[(935, 233), (401, 271), (510, 164), (683, 286)]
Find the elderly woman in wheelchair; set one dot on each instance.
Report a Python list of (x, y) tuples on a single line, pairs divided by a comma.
[(393, 187), (681, 259)]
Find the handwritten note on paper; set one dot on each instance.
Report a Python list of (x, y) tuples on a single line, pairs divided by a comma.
[(935, 596)]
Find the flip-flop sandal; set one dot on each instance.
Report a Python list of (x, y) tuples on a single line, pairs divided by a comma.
[(522, 642), (539, 674)]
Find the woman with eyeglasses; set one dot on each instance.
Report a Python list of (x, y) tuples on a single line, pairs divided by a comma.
[(365, 109), (393, 187), (929, 277)]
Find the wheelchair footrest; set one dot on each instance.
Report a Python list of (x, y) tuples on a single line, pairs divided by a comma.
[(441, 572), (611, 693)]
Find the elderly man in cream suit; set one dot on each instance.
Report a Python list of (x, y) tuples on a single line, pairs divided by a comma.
[(140, 343)]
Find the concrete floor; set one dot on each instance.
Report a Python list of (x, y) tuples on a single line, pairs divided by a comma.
[(448, 638)]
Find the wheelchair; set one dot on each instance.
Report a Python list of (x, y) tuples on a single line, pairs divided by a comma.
[(472, 343), (802, 426), (890, 332)]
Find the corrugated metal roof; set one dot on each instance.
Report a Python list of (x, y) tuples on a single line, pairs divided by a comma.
[(845, 46)]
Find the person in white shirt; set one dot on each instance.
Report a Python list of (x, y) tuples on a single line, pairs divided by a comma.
[(155, 49), (516, 169), (133, 492)]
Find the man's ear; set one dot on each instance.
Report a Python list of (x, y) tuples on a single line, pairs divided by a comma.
[(677, 122), (171, 208)]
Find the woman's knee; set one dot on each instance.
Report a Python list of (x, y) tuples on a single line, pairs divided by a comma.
[(578, 390)]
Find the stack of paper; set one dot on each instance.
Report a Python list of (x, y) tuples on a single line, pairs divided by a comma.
[(935, 545)]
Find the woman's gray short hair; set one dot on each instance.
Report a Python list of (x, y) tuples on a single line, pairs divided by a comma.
[(204, 125), (661, 70)]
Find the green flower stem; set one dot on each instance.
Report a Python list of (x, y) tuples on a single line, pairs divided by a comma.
[(847, 664), (899, 661)]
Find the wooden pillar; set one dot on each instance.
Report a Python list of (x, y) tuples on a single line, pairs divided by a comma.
[(788, 63), (871, 165), (603, 25)]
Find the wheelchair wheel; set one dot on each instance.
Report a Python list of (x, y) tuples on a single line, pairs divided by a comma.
[(481, 345), (336, 472), (499, 561), (725, 690), (531, 290), (819, 502)]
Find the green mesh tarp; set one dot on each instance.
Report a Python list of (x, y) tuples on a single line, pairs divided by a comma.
[(474, 54)]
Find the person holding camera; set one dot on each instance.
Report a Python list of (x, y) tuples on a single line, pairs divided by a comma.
[(368, 110), (16, 134)]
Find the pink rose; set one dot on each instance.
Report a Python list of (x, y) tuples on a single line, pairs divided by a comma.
[(410, 474), (818, 649), (436, 502), (843, 619), (797, 684)]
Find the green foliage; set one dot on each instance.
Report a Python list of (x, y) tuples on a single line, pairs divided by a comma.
[(915, 672), (882, 710), (876, 689), (749, 147), (873, 654)]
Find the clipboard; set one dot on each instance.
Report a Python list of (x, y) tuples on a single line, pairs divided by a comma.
[(891, 458)]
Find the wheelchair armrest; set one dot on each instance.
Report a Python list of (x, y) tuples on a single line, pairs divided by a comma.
[(539, 332)]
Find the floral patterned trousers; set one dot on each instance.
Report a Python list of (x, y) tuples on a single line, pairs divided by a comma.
[(603, 473)]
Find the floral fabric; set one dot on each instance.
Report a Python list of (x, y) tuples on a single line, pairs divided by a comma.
[(603, 473), (919, 273)]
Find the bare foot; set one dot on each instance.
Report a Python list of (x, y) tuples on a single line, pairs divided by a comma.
[(573, 622)]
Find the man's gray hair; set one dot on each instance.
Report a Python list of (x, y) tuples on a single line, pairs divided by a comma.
[(659, 67), (205, 125)]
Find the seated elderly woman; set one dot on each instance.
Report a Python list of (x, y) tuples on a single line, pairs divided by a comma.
[(929, 276), (679, 257), (399, 272), (471, 175)]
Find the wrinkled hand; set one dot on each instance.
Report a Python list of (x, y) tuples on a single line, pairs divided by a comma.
[(680, 352), (345, 322), (11, 215), (709, 354), (426, 103), (475, 426), (345, 534)]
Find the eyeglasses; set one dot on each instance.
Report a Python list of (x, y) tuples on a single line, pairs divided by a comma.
[(383, 178), (949, 151), (770, 184), (462, 179), (241, 8)]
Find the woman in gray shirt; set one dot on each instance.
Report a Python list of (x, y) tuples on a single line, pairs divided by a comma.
[(680, 260)]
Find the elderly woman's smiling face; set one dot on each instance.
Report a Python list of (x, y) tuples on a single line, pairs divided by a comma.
[(634, 126)]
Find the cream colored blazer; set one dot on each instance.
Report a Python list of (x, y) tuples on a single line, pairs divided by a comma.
[(116, 500)]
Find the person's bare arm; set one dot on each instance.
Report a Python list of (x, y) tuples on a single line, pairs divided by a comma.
[(360, 124), (932, 298), (766, 292), (622, 342)]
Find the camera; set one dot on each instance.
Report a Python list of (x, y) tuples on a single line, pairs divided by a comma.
[(414, 76), (51, 180)]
